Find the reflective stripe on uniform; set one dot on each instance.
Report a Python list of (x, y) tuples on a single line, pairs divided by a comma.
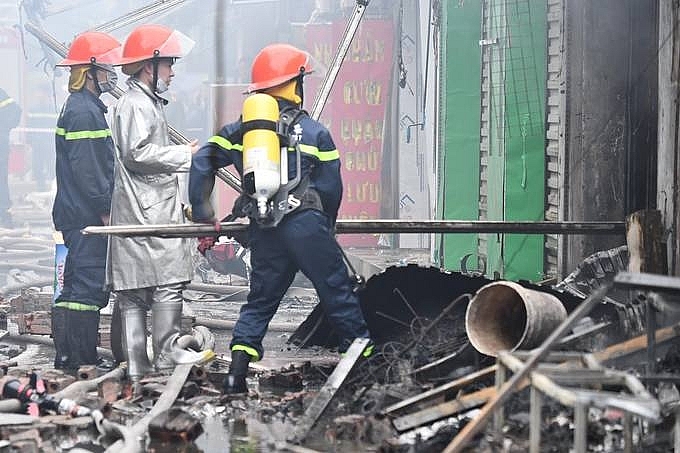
[(323, 156), (367, 352), (6, 102), (224, 143), (79, 135), (248, 350), (76, 306)]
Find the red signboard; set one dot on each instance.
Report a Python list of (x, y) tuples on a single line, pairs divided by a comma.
[(355, 112)]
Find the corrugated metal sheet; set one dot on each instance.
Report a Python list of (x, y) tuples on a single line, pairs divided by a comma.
[(485, 125), (554, 133)]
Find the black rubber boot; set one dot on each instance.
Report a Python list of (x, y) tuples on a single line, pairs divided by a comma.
[(83, 337), (59, 322), (235, 382), (117, 347)]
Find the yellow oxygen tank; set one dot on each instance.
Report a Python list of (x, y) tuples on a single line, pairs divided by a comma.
[(261, 149)]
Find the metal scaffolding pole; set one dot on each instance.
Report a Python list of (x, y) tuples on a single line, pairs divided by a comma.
[(375, 226)]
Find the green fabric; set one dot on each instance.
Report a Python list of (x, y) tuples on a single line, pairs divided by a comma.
[(525, 87), (461, 111)]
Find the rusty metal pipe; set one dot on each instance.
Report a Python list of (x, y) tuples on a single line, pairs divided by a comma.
[(505, 316), (374, 226)]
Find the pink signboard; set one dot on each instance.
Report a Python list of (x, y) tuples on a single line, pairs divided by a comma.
[(355, 112)]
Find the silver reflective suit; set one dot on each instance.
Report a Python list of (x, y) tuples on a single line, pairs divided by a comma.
[(147, 272)]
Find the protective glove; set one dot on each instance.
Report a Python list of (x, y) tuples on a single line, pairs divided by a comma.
[(205, 243)]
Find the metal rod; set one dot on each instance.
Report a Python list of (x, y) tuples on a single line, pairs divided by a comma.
[(398, 292), (536, 401), (329, 80), (144, 12), (176, 137), (328, 391), (627, 432), (580, 428), (438, 391), (395, 320), (374, 226)]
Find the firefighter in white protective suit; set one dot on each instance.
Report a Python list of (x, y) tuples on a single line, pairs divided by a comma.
[(149, 273)]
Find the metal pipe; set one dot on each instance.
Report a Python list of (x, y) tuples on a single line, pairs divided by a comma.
[(225, 290), (43, 340), (140, 13), (329, 80), (176, 137), (505, 315), (375, 226), (224, 324)]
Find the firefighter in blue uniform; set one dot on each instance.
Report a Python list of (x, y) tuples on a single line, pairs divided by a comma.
[(84, 171), (304, 238)]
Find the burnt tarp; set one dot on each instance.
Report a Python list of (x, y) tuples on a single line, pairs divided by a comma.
[(392, 301), (402, 300)]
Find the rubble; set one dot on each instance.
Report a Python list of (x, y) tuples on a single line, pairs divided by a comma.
[(422, 387)]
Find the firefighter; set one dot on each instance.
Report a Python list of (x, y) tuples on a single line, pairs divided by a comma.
[(148, 273), (304, 239), (10, 114), (84, 172)]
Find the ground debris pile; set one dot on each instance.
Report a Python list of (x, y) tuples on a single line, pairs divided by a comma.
[(421, 388)]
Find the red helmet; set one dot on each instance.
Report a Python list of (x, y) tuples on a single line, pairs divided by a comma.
[(149, 41), (276, 64), (93, 47)]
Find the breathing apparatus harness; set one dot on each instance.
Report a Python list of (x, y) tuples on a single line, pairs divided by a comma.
[(291, 195)]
